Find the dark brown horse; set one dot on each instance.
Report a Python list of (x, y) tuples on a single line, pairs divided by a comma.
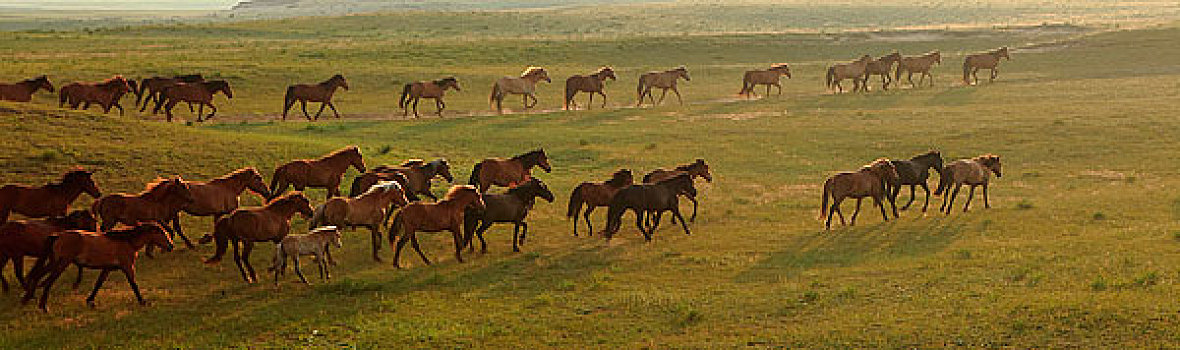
[(159, 202), (914, 172), (649, 198), (512, 207), (114, 250), (427, 89), (244, 226), (596, 194), (881, 66), (149, 89), (23, 91), (219, 196), (445, 215), (322, 93), (200, 93), (323, 172), (697, 169), (53, 199), (870, 181), (19, 239), (593, 83), (415, 177), (105, 94), (508, 172)]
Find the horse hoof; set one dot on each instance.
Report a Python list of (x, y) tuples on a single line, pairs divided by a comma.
[(91, 304)]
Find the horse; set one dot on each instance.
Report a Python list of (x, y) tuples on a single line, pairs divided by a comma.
[(368, 210), (323, 172), (697, 169), (200, 93), (988, 60), (444, 215), (151, 87), (914, 172), (105, 93), (159, 202), (769, 77), (918, 64), (596, 194), (642, 198), (23, 91), (508, 172), (113, 250), (19, 239), (52, 199), (854, 71), (322, 93), (244, 226), (415, 176), (665, 80), (511, 207), (525, 85), (314, 243), (972, 172), (870, 181), (881, 66), (427, 89), (219, 196), (593, 83)]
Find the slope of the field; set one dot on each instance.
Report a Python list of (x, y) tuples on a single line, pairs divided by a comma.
[(1077, 251)]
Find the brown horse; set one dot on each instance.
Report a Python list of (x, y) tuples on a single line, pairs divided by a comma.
[(370, 210), (53, 199), (988, 60), (594, 195), (870, 181), (23, 91), (244, 226), (649, 198), (881, 66), (665, 80), (414, 175), (321, 93), (159, 202), (19, 239), (105, 93), (769, 77), (427, 89), (114, 250), (918, 64), (854, 71), (972, 172), (697, 169), (445, 215), (324, 172), (200, 93), (507, 172), (219, 196), (592, 84), (512, 207), (525, 85), (151, 87)]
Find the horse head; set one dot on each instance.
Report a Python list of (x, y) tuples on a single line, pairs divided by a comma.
[(992, 162), (180, 189), (354, 158), (1003, 52), (297, 201), (682, 71), (682, 183), (622, 178), (81, 220), (443, 168), (222, 86), (154, 234), (42, 82), (391, 191), (543, 160), (338, 80), (255, 183), (607, 73), (700, 168), (82, 179), (449, 82), (884, 169), (535, 188), (937, 56), (782, 68)]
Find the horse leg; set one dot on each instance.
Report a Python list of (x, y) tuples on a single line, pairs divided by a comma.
[(179, 232), (524, 231), (4, 281), (333, 107), (321, 111), (954, 194), (130, 273), (303, 106), (994, 73), (238, 261), (516, 238), (970, 195), (439, 105), (836, 209), (838, 86), (248, 247), (78, 278), (417, 248), (168, 109), (662, 96), (102, 277), (416, 108), (676, 216), (376, 236), (590, 102), (857, 211), (298, 271), (913, 188), (121, 112), (974, 74), (910, 76), (927, 203), (879, 203), (401, 242), (639, 223), (48, 284), (589, 226), (986, 204), (212, 111), (677, 92), (483, 245)]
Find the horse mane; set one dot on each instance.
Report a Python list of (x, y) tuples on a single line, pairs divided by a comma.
[(456, 190), (690, 166), (284, 199), (36, 79), (342, 151), (128, 233), (442, 81), (530, 154), (156, 187), (932, 153), (333, 78), (681, 176), (324, 229), (875, 163), (380, 186), (412, 163), (236, 173), (616, 179), (531, 71)]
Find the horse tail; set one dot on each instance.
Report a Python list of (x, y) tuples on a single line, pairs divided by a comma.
[(966, 72), (475, 174), (405, 93), (576, 201), (394, 228), (823, 207), (220, 239), (639, 90), (280, 174), (831, 76)]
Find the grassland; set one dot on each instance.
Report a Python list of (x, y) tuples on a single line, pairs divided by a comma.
[(1078, 250)]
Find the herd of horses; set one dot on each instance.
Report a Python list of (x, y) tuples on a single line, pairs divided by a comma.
[(164, 93)]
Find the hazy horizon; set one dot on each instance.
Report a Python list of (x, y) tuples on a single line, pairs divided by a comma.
[(115, 5)]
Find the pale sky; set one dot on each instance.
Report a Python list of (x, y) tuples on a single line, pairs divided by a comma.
[(84, 5)]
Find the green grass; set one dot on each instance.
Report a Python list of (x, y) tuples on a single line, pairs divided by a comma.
[(1076, 251)]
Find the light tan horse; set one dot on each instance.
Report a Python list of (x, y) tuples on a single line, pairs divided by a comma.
[(918, 64), (854, 71), (324, 172), (769, 77), (870, 181), (427, 89), (445, 215), (314, 243), (525, 85), (988, 60), (369, 210), (219, 196), (881, 66), (972, 172), (665, 80), (593, 84)]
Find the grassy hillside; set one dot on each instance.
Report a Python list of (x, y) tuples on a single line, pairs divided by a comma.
[(1076, 251)]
